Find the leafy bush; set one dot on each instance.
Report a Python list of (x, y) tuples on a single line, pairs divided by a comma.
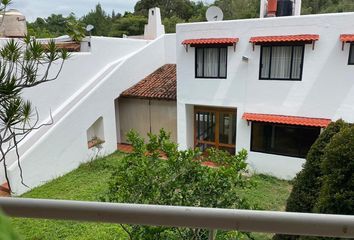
[(143, 177), (337, 193), (308, 183), (6, 231)]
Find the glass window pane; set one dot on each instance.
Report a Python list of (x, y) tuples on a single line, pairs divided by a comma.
[(287, 140), (297, 62), (281, 62), (227, 128), (223, 62), (199, 63), (205, 122), (351, 56), (265, 62), (211, 59)]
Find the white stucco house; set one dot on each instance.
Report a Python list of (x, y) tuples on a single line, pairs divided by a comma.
[(267, 85)]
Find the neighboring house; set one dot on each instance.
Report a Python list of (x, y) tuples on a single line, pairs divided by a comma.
[(267, 85)]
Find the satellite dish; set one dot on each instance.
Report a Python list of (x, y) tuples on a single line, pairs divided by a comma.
[(89, 28), (214, 13)]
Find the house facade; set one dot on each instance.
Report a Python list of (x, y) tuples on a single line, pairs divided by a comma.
[(267, 85)]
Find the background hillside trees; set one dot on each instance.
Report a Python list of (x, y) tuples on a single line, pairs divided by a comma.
[(172, 11)]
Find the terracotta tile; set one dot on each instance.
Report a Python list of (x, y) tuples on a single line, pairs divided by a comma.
[(210, 41), (160, 85), (347, 37), (292, 120), (285, 38)]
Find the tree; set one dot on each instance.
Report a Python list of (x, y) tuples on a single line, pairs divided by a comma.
[(129, 24), (337, 192), (23, 65), (100, 20), (179, 180), (308, 183), (239, 9)]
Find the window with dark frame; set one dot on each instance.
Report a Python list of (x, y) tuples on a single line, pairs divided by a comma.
[(281, 139), (211, 62), (351, 55), (281, 62)]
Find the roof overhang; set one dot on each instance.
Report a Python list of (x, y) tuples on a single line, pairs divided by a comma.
[(210, 42), (300, 38), (290, 120), (346, 38)]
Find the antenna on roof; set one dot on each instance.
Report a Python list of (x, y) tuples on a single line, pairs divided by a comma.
[(214, 13)]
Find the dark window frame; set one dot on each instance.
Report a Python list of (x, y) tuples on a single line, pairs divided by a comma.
[(274, 152), (351, 51), (196, 60), (292, 59)]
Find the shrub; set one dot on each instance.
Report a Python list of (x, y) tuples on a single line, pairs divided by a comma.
[(143, 177), (337, 193), (6, 231), (307, 184)]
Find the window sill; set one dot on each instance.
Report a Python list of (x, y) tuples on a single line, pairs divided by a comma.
[(94, 143)]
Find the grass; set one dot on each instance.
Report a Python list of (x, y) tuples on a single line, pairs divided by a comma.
[(90, 181)]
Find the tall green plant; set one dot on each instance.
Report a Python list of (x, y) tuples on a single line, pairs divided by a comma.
[(308, 183), (143, 177), (23, 65)]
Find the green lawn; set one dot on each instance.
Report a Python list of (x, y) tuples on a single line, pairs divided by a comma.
[(89, 182)]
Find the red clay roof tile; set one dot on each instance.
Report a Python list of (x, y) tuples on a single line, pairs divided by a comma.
[(291, 120), (347, 37), (211, 41), (285, 38), (160, 84)]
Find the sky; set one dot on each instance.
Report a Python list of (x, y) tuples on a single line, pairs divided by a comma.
[(43, 8)]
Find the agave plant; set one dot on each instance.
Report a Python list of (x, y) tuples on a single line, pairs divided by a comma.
[(23, 64)]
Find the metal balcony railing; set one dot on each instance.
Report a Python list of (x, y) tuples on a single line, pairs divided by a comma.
[(173, 216)]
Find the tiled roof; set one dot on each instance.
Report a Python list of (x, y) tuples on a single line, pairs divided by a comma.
[(285, 38), (291, 120), (160, 84), (210, 41), (347, 37)]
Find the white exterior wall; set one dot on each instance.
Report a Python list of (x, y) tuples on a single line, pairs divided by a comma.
[(85, 91), (326, 89)]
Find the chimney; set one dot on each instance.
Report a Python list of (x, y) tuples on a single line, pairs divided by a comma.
[(279, 8), (272, 8), (154, 28)]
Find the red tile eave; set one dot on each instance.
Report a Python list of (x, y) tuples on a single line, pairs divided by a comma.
[(211, 41), (347, 38), (290, 120), (285, 38)]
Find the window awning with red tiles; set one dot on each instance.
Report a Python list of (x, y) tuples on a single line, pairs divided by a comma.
[(159, 85), (290, 120), (346, 38), (301, 38), (210, 41)]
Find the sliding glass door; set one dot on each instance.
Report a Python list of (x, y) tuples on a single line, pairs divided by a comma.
[(215, 127)]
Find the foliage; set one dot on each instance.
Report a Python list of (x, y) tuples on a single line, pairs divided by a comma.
[(239, 9), (23, 65), (308, 183), (52, 26), (326, 6), (142, 177), (337, 192), (6, 230), (100, 20), (75, 30), (129, 24)]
